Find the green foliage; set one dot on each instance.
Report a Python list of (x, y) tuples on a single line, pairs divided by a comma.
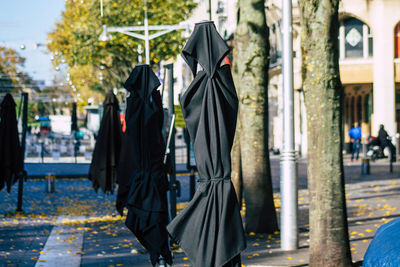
[(32, 109), (76, 38), (10, 75)]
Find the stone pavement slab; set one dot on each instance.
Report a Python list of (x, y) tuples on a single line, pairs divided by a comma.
[(64, 245), (105, 241)]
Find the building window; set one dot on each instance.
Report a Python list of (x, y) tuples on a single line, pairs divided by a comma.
[(370, 42), (397, 41), (221, 7), (397, 99), (275, 44), (355, 39)]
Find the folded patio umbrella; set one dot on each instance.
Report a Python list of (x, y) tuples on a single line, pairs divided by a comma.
[(103, 168), (210, 229), (11, 160), (74, 118), (142, 179)]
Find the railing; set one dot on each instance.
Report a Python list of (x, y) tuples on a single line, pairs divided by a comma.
[(65, 149)]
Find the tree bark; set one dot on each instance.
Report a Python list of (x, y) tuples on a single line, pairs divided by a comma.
[(329, 240), (252, 61), (236, 175)]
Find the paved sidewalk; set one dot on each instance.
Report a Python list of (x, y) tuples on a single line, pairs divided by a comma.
[(53, 223)]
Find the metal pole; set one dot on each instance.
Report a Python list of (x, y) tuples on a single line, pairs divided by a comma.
[(192, 185), (23, 142), (171, 112), (397, 136), (163, 86), (209, 10), (146, 34), (390, 147), (42, 151), (365, 167), (364, 146), (289, 231), (390, 160)]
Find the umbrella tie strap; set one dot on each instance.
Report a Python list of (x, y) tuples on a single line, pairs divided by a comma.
[(202, 180)]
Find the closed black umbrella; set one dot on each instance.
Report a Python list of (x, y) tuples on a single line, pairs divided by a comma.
[(11, 161), (142, 179), (210, 229), (74, 118), (103, 169)]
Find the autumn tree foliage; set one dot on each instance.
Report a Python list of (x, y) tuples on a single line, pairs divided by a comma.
[(100, 66), (12, 77)]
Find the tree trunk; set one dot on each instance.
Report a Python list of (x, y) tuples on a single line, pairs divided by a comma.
[(236, 175), (329, 240), (252, 61)]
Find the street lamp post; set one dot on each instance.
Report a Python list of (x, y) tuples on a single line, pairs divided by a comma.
[(289, 231), (132, 31), (140, 51)]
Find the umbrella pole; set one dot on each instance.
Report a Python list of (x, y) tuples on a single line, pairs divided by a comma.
[(24, 128), (171, 112), (192, 183), (163, 86)]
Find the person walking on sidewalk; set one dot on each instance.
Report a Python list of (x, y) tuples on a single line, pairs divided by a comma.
[(355, 137)]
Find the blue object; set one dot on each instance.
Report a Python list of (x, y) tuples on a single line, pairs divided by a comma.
[(355, 133), (384, 249), (79, 135)]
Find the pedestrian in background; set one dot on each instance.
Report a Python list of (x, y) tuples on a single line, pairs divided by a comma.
[(355, 137), (385, 141)]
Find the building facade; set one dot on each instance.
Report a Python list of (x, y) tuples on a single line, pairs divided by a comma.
[(369, 44), (224, 16)]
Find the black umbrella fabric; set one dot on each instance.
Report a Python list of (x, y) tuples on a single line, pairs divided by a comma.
[(210, 229), (103, 169), (74, 118), (11, 161), (142, 179)]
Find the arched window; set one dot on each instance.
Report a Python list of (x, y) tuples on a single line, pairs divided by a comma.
[(355, 39), (397, 41)]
